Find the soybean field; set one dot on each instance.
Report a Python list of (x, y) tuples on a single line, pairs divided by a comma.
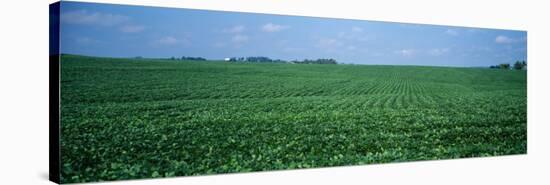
[(143, 118)]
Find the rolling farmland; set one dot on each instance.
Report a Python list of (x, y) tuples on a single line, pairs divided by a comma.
[(142, 118)]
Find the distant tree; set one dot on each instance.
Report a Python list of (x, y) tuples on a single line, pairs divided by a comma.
[(258, 59), (193, 58), (262, 59), (326, 61), (519, 65), (317, 61), (504, 66)]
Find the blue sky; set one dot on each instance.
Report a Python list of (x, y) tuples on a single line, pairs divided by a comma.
[(129, 31)]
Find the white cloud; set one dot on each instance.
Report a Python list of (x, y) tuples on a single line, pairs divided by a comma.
[(235, 29), (505, 40), (356, 29), (168, 40), (344, 35), (355, 35), (451, 32), (92, 18), (438, 51), (239, 38), (270, 27), (406, 52), (132, 28), (329, 43), (85, 17)]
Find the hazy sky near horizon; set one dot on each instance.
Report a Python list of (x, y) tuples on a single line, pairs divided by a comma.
[(129, 31)]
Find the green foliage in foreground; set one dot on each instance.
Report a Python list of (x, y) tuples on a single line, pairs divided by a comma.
[(127, 119)]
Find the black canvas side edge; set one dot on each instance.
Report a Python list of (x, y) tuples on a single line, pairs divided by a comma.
[(54, 77)]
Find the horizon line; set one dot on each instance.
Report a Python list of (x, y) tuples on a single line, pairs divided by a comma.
[(222, 60)]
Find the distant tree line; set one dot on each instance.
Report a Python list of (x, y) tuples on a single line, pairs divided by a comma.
[(261, 59), (519, 65), (258, 59), (188, 58), (318, 61), (192, 58)]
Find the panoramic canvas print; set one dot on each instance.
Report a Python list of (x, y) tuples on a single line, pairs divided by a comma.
[(149, 92)]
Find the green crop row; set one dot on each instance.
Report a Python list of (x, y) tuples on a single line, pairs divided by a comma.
[(127, 119)]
